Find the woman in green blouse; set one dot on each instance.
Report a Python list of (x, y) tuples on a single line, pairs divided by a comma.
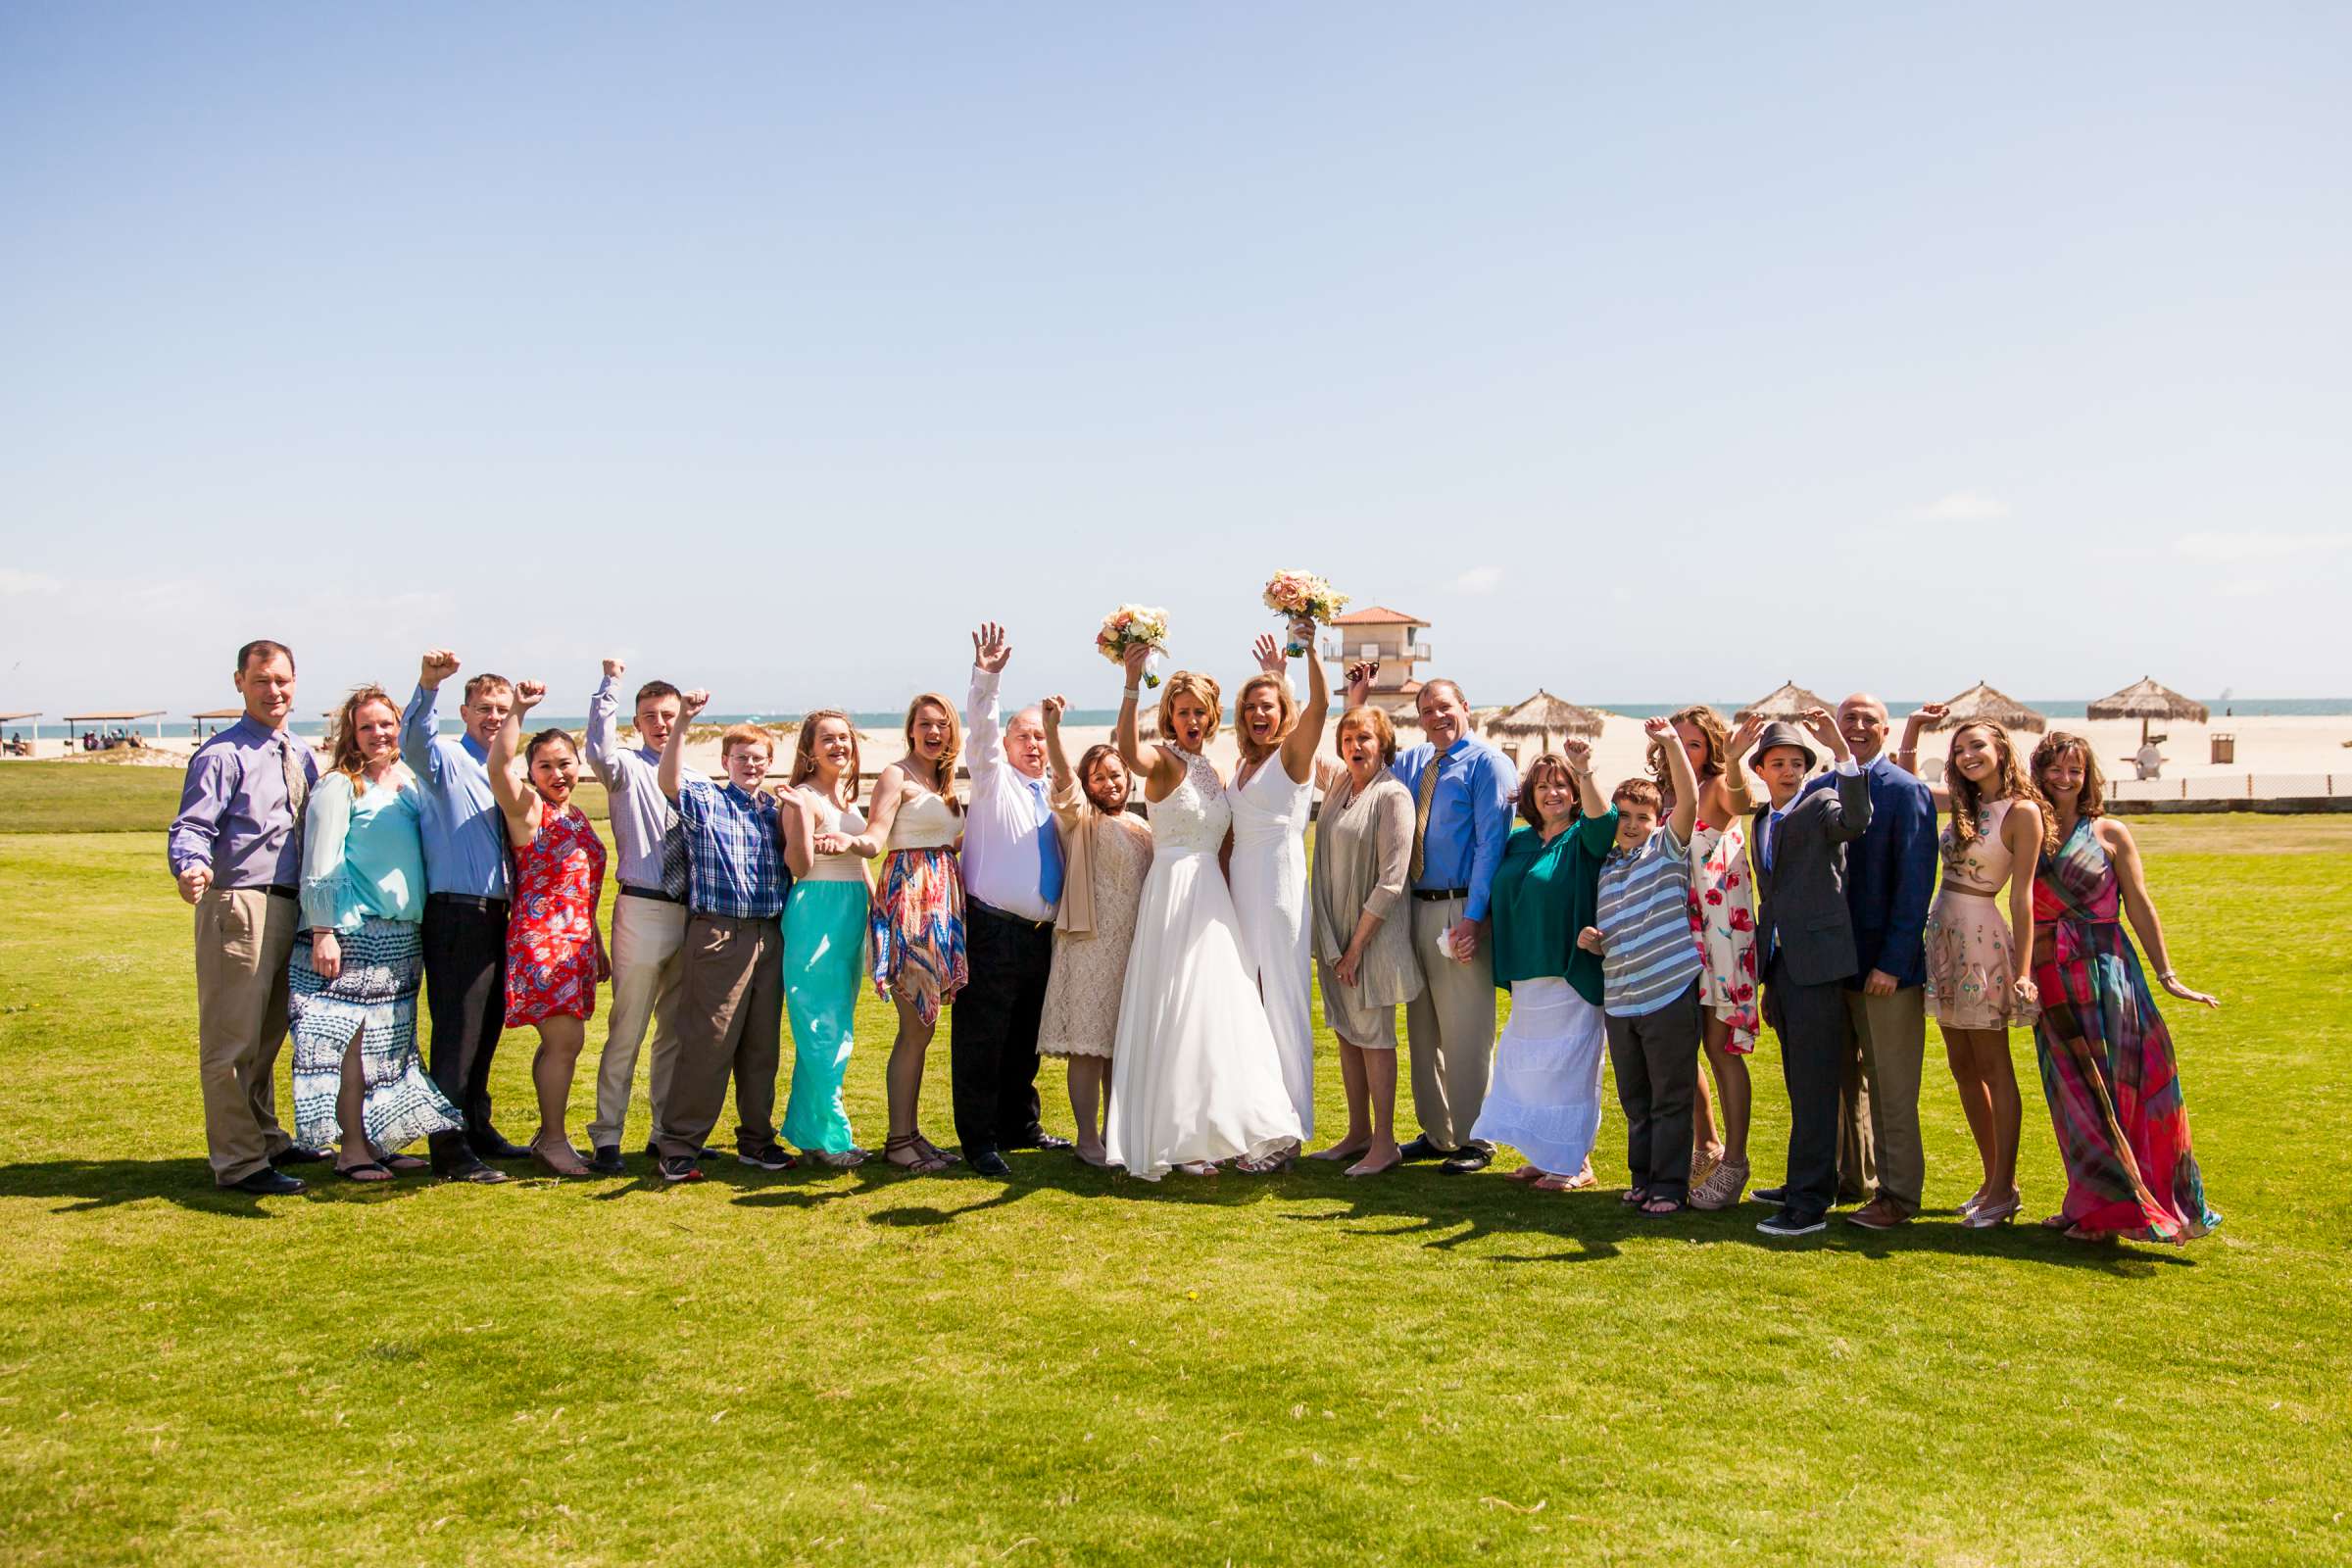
[(1546, 1096), (358, 961)]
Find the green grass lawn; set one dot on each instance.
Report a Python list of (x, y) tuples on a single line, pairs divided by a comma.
[(1074, 1369)]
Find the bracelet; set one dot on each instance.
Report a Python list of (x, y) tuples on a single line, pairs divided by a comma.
[(1134, 691), (2168, 974)]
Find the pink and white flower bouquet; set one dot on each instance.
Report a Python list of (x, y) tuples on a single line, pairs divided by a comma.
[(1134, 625), (1303, 596)]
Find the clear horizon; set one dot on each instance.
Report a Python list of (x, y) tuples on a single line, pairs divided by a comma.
[(773, 347)]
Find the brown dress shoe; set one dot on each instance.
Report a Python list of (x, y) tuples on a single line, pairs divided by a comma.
[(1878, 1215)]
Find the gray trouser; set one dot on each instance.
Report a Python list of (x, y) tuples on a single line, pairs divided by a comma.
[(1448, 1029), (1889, 1037)]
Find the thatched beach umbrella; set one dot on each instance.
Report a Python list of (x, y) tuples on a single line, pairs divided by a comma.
[(1788, 702), (1541, 717), (1980, 704), (2145, 700)]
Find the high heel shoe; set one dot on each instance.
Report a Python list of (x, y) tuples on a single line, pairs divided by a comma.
[(1984, 1216)]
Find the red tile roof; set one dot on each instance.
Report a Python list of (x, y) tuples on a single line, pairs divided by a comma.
[(1379, 615)]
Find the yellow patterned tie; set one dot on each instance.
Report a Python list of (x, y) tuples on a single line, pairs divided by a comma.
[(1421, 800)]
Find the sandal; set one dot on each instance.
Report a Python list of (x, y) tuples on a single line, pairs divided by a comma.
[(1198, 1168), (849, 1159), (1722, 1188), (565, 1163), (406, 1165), (926, 1160), (1583, 1178), (932, 1151), (1634, 1195), (1526, 1174), (1552, 1182), (1702, 1166), (367, 1170), (1660, 1207)]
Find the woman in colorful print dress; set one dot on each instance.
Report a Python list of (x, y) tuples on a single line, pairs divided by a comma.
[(554, 952), (918, 952), (1978, 984), (2107, 1064)]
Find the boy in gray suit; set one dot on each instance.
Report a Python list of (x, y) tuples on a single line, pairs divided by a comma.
[(1805, 939)]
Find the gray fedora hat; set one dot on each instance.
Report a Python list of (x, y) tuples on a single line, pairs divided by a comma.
[(1782, 733)]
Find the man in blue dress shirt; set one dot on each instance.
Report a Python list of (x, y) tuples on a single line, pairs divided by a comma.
[(1463, 794), (236, 852), (464, 907)]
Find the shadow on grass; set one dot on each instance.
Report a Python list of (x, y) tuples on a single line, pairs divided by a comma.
[(94, 1184)]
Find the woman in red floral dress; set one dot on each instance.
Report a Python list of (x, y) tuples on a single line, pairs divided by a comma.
[(555, 952)]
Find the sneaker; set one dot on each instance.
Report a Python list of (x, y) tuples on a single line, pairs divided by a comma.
[(681, 1168), (769, 1156), (1772, 1197), (1786, 1224)]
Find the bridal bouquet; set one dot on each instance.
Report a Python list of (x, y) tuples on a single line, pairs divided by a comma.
[(1132, 626), (1304, 596)]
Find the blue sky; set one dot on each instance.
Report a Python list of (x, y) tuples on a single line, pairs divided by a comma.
[(1651, 353)]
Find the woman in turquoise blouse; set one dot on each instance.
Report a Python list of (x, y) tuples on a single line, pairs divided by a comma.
[(358, 961), (1545, 1097)]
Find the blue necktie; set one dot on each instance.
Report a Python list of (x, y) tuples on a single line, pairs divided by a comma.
[(1048, 848), (1772, 838)]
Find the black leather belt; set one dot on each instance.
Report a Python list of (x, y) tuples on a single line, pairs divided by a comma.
[(1440, 895), (468, 901), (278, 890), (1002, 915), (654, 893)]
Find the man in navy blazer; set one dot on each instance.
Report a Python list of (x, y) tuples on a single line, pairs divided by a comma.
[(1890, 882)]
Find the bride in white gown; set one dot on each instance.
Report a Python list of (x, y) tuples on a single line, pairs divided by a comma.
[(1195, 1077), (1273, 795)]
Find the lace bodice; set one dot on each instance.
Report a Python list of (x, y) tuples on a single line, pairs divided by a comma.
[(1193, 819)]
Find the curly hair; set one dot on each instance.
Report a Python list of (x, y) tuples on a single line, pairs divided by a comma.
[(343, 736), (1538, 770), (2091, 798), (2012, 783), (1286, 706), (1709, 723), (804, 753), (943, 772), (1367, 716), (1202, 689)]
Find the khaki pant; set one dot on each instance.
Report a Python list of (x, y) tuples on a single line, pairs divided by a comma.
[(730, 1020), (1887, 1039), (1448, 1029), (648, 972), (244, 938)]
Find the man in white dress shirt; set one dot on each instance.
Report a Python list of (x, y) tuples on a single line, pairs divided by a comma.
[(1012, 870), (649, 918)]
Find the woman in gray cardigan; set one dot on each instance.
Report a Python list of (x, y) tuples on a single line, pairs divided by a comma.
[(1363, 942)]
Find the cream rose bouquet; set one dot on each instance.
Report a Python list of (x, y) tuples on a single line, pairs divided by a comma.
[(1303, 596), (1132, 626)]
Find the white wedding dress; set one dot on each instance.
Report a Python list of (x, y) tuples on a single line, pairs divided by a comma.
[(1270, 899), (1194, 1075)]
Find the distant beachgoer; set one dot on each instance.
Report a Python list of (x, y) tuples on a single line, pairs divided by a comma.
[(2148, 760), (555, 949), (465, 907), (2108, 1069), (358, 963), (918, 934), (1979, 984), (1109, 855), (649, 917), (236, 852)]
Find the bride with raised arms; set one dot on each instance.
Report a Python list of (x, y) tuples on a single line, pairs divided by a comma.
[(1195, 1077)]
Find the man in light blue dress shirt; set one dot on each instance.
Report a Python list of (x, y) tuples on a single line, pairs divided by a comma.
[(464, 907), (1463, 794)]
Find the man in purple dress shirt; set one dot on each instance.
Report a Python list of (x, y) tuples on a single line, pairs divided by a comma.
[(236, 850)]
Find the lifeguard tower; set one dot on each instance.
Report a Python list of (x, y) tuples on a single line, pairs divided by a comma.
[(1390, 636)]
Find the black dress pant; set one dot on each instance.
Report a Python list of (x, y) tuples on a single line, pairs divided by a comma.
[(991, 1044), (465, 992), (1811, 1021), (1655, 1057)]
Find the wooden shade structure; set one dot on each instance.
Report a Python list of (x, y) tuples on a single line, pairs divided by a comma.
[(2145, 700), (142, 717), (1982, 704), (1540, 718), (1788, 702), (16, 718)]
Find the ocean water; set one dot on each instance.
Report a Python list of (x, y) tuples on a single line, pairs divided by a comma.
[(1091, 717)]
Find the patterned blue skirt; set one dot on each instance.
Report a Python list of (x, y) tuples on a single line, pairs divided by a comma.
[(375, 998)]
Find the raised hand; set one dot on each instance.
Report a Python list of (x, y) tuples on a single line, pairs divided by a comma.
[(1661, 730), (1929, 715), (1745, 738), (692, 702), (1360, 675), (1051, 709), (1135, 658), (1268, 649), (1579, 752), (615, 669), (438, 665), (989, 649), (528, 694)]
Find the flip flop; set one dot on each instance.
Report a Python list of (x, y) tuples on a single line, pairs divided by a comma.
[(359, 1172)]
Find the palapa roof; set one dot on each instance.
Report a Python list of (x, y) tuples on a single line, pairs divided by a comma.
[(1378, 615), (1980, 704), (1544, 714), (2144, 699), (1788, 701)]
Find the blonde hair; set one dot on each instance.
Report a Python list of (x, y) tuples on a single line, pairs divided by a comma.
[(2011, 779), (2091, 798), (1376, 719), (943, 773), (343, 743), (746, 735), (1286, 705), (804, 753), (1202, 689)]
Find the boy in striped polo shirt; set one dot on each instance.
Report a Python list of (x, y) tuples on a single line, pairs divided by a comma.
[(1650, 965)]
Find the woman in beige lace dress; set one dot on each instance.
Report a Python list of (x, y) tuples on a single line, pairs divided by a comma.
[(1108, 853)]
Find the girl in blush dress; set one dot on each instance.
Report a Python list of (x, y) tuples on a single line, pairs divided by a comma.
[(554, 952), (1195, 1077)]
